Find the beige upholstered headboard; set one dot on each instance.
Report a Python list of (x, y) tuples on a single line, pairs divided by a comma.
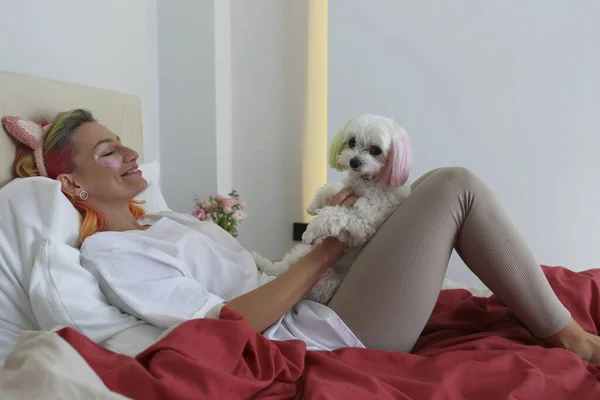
[(38, 98)]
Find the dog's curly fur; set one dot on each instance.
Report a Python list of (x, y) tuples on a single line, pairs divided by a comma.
[(377, 155)]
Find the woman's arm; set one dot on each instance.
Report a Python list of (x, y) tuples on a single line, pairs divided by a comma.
[(263, 306), (163, 297)]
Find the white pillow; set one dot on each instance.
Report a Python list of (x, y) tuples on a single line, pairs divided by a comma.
[(38, 225), (154, 202), (63, 293), (31, 209)]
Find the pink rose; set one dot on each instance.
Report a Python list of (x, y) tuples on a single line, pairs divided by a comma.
[(199, 213), (227, 210), (242, 204), (203, 203), (217, 197), (230, 202), (239, 216)]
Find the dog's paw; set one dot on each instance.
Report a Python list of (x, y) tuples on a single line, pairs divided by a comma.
[(328, 223), (259, 259), (311, 236), (325, 288), (315, 235), (314, 232), (262, 262), (322, 197), (315, 205), (277, 268), (269, 267)]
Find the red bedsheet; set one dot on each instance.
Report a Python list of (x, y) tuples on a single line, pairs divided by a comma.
[(471, 349)]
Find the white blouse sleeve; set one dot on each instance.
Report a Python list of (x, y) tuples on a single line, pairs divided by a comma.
[(149, 286)]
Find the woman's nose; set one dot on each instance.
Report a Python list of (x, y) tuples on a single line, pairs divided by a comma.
[(129, 155)]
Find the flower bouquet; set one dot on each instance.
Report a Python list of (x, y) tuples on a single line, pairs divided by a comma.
[(223, 211)]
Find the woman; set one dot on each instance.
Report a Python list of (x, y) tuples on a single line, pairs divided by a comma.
[(167, 269)]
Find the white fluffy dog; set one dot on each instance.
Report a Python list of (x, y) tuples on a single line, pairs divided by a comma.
[(377, 154)]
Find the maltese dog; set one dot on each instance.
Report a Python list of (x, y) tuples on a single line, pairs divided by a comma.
[(376, 152)]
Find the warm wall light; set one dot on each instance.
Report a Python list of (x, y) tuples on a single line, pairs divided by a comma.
[(314, 154)]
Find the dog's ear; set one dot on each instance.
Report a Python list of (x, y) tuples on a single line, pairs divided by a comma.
[(399, 161), (336, 147)]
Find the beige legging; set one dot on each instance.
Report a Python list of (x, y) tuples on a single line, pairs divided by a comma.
[(391, 290)]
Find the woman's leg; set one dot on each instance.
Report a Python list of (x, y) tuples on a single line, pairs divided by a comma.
[(390, 291)]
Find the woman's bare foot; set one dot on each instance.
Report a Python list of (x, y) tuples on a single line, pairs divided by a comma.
[(575, 339)]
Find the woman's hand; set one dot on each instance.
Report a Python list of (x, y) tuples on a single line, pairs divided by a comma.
[(345, 197)]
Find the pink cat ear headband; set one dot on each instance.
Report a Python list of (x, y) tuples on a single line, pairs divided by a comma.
[(31, 135)]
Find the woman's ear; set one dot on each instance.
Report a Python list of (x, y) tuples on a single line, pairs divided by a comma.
[(69, 186)]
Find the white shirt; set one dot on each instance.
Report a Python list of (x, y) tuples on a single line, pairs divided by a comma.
[(181, 268)]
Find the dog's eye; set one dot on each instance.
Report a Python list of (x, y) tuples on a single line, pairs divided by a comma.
[(374, 151), (352, 143)]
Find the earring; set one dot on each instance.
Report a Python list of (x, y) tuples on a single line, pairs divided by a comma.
[(83, 195)]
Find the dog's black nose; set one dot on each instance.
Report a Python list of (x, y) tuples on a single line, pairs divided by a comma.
[(355, 163)]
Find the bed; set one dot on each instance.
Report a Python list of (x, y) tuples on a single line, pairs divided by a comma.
[(471, 348)]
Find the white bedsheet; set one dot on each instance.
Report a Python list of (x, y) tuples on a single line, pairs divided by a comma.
[(43, 366)]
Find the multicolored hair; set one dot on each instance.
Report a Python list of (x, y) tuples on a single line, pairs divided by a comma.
[(59, 152)]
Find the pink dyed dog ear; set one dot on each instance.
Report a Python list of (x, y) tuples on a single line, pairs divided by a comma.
[(30, 134), (399, 162)]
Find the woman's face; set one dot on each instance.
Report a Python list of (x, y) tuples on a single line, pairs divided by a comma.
[(104, 168)]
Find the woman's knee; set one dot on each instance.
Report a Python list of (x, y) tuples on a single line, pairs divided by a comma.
[(460, 178), (457, 174), (448, 174), (466, 182)]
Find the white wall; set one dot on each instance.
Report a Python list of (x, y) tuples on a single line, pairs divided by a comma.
[(109, 44), (268, 51), (232, 116), (509, 89), (186, 52)]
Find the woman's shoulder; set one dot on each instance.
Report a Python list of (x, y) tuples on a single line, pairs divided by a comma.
[(208, 229), (116, 240), (104, 241), (159, 225)]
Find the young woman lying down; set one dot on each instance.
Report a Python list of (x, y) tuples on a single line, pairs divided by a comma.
[(168, 269)]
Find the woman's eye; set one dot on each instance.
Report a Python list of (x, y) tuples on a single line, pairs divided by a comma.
[(352, 143), (109, 154), (374, 151)]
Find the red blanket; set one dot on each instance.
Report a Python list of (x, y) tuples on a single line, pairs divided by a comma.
[(471, 349)]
